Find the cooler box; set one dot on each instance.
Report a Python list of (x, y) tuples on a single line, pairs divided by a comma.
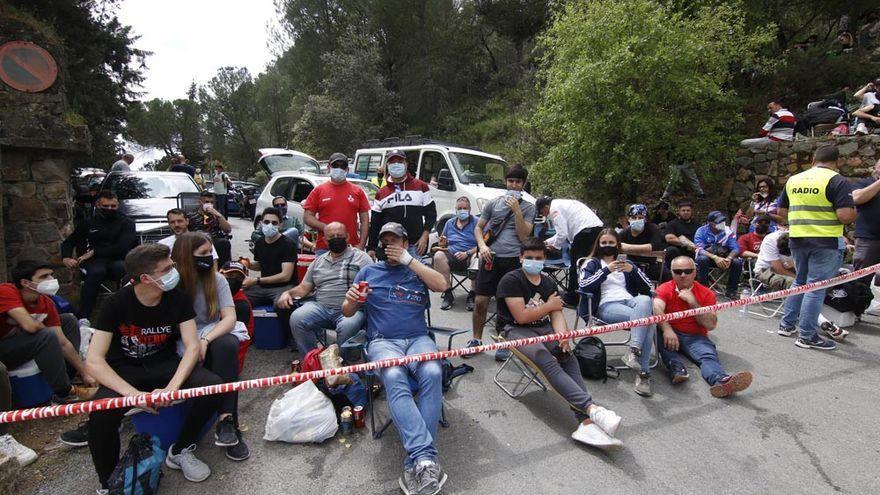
[(167, 424), (302, 264), (269, 333), (29, 388), (842, 320)]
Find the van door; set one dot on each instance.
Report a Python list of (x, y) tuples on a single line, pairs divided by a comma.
[(366, 164), (430, 165)]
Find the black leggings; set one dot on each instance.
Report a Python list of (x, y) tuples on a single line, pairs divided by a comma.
[(222, 359)]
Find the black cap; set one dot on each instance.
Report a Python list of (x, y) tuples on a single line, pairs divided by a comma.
[(394, 153), (338, 157), (393, 228)]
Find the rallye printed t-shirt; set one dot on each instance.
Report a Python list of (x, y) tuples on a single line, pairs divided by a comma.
[(141, 333), (42, 310)]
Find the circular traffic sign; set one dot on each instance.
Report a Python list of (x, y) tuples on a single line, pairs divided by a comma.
[(27, 67)]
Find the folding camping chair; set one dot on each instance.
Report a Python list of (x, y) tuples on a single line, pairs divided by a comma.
[(528, 373), (585, 313), (766, 309)]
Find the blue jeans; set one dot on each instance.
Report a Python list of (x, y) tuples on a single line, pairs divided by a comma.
[(416, 424), (811, 265), (640, 306), (311, 317), (292, 234), (698, 349), (734, 273)]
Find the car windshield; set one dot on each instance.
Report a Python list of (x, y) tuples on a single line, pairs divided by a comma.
[(134, 186), (290, 163), (476, 169)]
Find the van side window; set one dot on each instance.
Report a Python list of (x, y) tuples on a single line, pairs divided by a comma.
[(366, 165), (432, 163)]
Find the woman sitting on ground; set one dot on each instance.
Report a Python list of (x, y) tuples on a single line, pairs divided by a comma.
[(621, 292), (218, 333)]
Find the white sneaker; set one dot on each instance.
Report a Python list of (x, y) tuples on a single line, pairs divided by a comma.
[(11, 447), (193, 469), (861, 129), (606, 419), (874, 308), (84, 322), (593, 435)]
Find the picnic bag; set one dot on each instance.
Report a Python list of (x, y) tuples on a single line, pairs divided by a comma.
[(139, 469)]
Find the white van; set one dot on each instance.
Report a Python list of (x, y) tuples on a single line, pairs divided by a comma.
[(452, 171)]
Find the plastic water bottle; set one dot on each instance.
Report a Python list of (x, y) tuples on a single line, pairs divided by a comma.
[(746, 293)]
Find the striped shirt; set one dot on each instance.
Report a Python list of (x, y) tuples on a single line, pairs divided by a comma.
[(780, 126)]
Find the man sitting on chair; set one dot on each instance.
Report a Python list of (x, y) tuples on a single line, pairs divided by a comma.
[(688, 337), (461, 245), (717, 248), (528, 306), (395, 307)]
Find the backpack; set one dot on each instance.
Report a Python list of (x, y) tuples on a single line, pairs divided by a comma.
[(140, 468), (592, 359), (450, 372), (852, 296)]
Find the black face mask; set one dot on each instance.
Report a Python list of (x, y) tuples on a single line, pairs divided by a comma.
[(337, 244), (608, 251), (282, 209), (234, 284), (380, 253), (204, 263), (107, 213)]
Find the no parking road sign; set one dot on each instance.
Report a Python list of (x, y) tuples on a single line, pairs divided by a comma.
[(27, 67)]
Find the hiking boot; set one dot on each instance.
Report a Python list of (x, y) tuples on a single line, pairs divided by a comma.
[(470, 300), (678, 372), (240, 450), (430, 478), (834, 331), (731, 384), (193, 469), (224, 433), (815, 343), (10, 447), (472, 343), (633, 358), (594, 436), (786, 331), (448, 299), (606, 419), (502, 355), (70, 398), (77, 437), (409, 483), (643, 385)]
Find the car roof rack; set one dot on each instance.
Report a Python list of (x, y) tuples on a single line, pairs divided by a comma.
[(411, 140)]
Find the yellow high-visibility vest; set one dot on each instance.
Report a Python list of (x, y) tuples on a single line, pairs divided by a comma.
[(810, 214)]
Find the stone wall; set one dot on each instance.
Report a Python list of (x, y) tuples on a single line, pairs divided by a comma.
[(779, 161)]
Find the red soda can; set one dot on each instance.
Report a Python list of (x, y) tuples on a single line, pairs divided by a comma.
[(487, 265), (362, 287), (359, 417), (294, 366)]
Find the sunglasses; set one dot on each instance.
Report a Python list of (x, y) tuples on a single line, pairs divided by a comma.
[(683, 271)]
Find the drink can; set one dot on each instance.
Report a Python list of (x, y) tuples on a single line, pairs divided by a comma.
[(362, 287), (443, 241), (346, 422), (487, 265), (294, 366), (359, 417)]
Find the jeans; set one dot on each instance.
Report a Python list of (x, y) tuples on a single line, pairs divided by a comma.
[(734, 272), (642, 337), (866, 254), (311, 317), (416, 424), (96, 271), (811, 264), (698, 349), (221, 205)]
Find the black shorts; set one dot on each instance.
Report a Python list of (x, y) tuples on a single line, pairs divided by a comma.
[(487, 281), (457, 265)]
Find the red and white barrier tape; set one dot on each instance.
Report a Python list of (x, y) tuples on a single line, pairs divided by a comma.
[(151, 398)]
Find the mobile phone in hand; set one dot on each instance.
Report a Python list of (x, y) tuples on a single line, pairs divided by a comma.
[(621, 258)]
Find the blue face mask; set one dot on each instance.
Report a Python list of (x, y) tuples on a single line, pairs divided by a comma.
[(463, 214), (269, 230), (533, 267), (169, 280), (397, 170), (515, 194), (337, 174), (638, 225)]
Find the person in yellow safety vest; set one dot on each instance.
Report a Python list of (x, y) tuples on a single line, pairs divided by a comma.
[(379, 179), (818, 203)]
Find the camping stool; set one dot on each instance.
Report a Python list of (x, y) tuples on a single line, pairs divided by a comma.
[(29, 387), (269, 334), (528, 373)]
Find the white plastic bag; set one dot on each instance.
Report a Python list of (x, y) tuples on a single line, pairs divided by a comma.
[(302, 415)]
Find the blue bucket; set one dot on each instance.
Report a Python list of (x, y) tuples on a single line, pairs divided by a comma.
[(269, 333), (168, 424), (29, 388)]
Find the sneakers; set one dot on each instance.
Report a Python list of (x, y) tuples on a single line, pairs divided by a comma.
[(679, 373), (731, 384), (70, 398), (606, 419), (643, 385), (633, 358), (448, 299), (10, 447), (409, 482), (472, 343), (502, 355), (862, 129), (786, 331), (430, 478), (594, 436), (834, 331), (193, 469), (77, 437), (224, 433), (470, 300), (240, 450), (815, 343), (84, 323)]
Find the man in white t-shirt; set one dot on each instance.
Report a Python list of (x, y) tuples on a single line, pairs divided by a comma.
[(179, 224), (221, 189), (775, 267)]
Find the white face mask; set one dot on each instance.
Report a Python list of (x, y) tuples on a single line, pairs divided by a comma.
[(721, 226), (338, 174), (48, 287)]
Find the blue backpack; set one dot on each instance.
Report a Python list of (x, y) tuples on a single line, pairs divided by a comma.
[(140, 468)]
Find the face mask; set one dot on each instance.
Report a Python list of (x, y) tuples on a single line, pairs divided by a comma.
[(48, 287), (337, 244), (764, 194), (397, 170), (762, 229), (608, 251), (515, 194), (282, 209), (638, 225), (463, 214), (721, 226), (337, 174), (204, 263), (169, 280), (234, 284), (269, 230), (533, 267), (107, 213)]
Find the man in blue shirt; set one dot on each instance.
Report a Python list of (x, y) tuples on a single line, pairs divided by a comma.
[(717, 248), (395, 308), (461, 245)]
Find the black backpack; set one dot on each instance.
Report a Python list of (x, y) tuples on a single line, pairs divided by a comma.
[(593, 361), (451, 372)]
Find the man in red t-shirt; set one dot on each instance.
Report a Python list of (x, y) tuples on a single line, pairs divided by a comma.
[(688, 337), (338, 200), (750, 244), (30, 329)]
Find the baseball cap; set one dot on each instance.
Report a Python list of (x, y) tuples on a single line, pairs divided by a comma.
[(716, 216), (394, 153), (338, 157), (394, 228), (637, 209), (234, 266)]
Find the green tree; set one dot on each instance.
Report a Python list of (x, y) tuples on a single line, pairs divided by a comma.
[(174, 127), (630, 86), (231, 118)]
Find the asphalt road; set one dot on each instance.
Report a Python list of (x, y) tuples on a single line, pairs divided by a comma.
[(807, 425)]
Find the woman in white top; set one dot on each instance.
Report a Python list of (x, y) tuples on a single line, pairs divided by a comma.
[(621, 292)]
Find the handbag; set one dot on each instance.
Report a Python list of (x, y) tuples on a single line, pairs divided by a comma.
[(593, 360), (490, 236)]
